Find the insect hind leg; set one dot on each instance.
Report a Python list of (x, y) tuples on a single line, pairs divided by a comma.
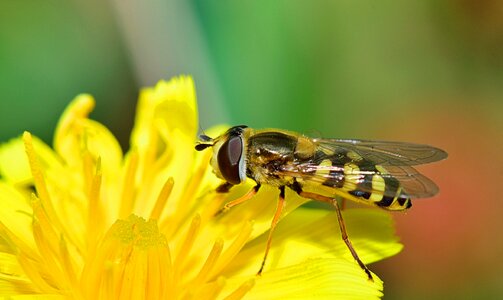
[(298, 189), (279, 209)]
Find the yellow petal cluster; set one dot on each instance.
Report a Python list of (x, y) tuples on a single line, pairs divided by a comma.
[(82, 220)]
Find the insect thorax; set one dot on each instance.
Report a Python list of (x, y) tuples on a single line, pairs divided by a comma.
[(269, 151)]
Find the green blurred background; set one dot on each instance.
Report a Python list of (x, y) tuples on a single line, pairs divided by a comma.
[(420, 71)]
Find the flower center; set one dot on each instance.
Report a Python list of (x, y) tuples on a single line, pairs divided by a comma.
[(133, 261)]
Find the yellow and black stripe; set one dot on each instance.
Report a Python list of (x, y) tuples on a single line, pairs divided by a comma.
[(364, 180)]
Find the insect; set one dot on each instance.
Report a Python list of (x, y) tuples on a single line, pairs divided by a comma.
[(372, 172)]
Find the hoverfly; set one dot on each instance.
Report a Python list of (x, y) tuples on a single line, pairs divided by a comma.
[(372, 172)]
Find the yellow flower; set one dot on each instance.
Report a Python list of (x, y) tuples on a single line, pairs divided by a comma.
[(102, 225)]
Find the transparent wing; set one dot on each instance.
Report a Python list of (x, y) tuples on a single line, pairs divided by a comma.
[(413, 184), (384, 153), (338, 161)]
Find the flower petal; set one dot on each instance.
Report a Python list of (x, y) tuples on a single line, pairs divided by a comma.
[(169, 107), (37, 297), (76, 134), (163, 138), (84, 146), (12, 278), (14, 166), (16, 214), (321, 278), (260, 209), (307, 233)]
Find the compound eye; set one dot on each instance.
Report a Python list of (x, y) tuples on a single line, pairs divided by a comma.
[(230, 160)]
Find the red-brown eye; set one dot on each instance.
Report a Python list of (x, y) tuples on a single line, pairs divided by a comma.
[(229, 160)]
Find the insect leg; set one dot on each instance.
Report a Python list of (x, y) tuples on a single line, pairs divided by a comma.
[(224, 188), (297, 188), (343, 203), (239, 200), (275, 219)]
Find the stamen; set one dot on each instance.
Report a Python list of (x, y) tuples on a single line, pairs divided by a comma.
[(68, 266), (97, 269), (134, 279), (147, 170), (88, 168), (234, 248), (94, 211), (170, 226), (206, 290), (48, 256), (119, 268), (159, 273), (212, 289), (241, 291), (184, 251), (50, 236), (127, 199), (213, 206), (210, 262), (162, 199), (48, 245), (166, 272), (15, 242), (31, 271), (39, 181), (197, 177)]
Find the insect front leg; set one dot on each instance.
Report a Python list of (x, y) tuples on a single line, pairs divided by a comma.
[(224, 188), (298, 189)]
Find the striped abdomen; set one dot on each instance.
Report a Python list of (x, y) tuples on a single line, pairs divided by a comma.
[(368, 182)]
